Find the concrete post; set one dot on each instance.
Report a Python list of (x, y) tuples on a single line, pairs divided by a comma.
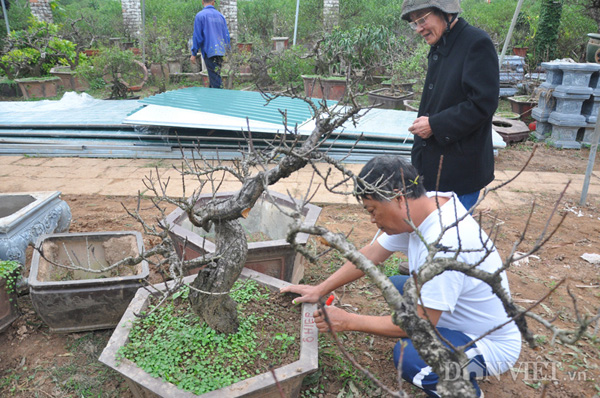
[(132, 17), (229, 10), (41, 10), (331, 14)]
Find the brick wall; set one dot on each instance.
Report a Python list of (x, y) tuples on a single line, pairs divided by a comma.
[(41, 10)]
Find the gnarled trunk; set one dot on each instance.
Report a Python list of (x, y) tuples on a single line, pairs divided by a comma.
[(219, 311)]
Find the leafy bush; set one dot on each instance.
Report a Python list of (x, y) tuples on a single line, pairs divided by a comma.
[(18, 17), (411, 64), (114, 66), (10, 271), (101, 19), (495, 19), (360, 48), (288, 67), (32, 52), (260, 21), (375, 12)]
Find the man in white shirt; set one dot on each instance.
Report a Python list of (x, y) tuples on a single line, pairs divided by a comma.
[(462, 308)]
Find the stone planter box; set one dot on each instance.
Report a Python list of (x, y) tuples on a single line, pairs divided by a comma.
[(386, 99), (27, 215), (271, 254), (87, 300), (289, 376), (331, 88), (68, 79), (412, 105), (43, 87)]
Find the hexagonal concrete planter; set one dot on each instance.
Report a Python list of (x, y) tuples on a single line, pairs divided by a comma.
[(76, 300), (25, 216), (289, 376), (268, 251)]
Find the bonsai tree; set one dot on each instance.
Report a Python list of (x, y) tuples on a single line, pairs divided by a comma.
[(119, 68), (362, 49), (34, 51), (409, 65)]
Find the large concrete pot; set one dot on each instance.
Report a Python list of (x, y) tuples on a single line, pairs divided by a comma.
[(68, 78), (87, 300), (331, 88), (289, 376), (386, 98), (268, 252), (42, 87), (27, 215)]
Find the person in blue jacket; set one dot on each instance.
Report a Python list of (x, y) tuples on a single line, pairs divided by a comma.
[(211, 38), (460, 96)]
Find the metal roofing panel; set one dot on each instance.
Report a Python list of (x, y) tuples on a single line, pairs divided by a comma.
[(73, 110), (168, 116), (240, 104)]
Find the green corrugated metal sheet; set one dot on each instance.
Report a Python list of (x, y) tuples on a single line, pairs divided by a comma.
[(234, 103)]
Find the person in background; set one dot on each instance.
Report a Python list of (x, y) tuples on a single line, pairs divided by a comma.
[(211, 38), (460, 96), (461, 307)]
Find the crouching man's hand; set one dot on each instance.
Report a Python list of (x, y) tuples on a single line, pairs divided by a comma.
[(339, 319), (308, 294)]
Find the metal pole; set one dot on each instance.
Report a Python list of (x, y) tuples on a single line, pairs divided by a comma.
[(5, 17), (510, 31), (296, 22), (592, 158)]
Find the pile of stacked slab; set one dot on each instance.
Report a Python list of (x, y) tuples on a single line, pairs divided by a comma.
[(568, 104), (512, 74)]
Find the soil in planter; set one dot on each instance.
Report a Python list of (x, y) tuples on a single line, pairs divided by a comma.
[(172, 343), (91, 254)]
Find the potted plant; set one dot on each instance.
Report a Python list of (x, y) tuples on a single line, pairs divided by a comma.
[(523, 33), (121, 69), (408, 68), (592, 49), (9, 275), (286, 379), (80, 282), (522, 106), (30, 54), (344, 55)]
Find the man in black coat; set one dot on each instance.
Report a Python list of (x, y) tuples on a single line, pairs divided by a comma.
[(459, 99)]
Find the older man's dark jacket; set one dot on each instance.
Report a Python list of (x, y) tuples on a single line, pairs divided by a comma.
[(460, 97)]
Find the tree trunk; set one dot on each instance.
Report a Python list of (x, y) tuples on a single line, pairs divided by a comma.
[(219, 311)]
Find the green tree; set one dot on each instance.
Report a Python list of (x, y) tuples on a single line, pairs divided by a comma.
[(545, 41)]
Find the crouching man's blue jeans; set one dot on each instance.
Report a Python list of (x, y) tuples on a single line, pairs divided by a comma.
[(417, 372)]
